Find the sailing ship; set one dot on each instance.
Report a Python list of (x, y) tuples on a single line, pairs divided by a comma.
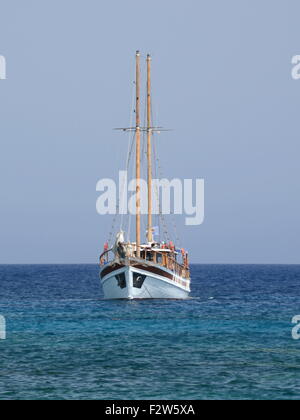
[(152, 269)]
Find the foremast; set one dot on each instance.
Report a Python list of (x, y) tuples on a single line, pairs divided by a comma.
[(149, 150), (138, 158)]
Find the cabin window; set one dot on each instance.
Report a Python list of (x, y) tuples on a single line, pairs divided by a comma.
[(149, 256), (121, 279), (138, 280), (159, 258)]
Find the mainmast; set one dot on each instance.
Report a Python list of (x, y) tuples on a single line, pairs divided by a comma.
[(149, 149), (138, 159)]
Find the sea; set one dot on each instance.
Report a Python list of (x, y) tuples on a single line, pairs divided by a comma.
[(232, 340)]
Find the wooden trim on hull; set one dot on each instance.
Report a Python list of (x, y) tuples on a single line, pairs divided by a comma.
[(154, 270), (150, 269), (111, 269)]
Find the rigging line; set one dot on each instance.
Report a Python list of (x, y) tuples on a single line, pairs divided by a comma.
[(144, 149), (144, 162), (163, 221), (159, 219), (129, 149), (118, 199), (124, 188), (161, 176), (155, 175), (164, 225), (178, 241), (145, 120), (144, 140), (129, 216), (126, 227), (113, 226), (161, 216), (172, 216), (131, 169)]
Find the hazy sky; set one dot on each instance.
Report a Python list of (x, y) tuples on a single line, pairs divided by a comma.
[(221, 79)]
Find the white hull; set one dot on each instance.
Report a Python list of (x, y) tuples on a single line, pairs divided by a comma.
[(135, 283)]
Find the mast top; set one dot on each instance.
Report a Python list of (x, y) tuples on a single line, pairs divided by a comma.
[(152, 129)]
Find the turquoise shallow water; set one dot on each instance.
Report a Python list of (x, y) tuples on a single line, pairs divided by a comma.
[(232, 340)]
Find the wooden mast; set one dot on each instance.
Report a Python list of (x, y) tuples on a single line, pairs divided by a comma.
[(138, 159), (149, 149)]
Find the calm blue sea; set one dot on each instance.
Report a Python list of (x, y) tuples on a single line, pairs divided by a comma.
[(232, 340)]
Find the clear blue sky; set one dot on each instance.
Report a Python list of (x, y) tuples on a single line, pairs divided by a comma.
[(222, 80)]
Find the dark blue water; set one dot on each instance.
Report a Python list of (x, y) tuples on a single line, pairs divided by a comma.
[(231, 341)]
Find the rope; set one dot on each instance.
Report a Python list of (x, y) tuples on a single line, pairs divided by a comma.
[(172, 216), (160, 173), (129, 152), (162, 218)]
